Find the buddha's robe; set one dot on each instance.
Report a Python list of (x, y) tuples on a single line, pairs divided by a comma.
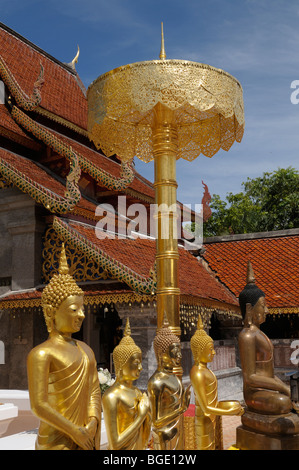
[(120, 408), (73, 392), (166, 394), (205, 425)]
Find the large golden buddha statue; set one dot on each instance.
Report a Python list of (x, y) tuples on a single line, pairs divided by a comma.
[(126, 410), (168, 398), (62, 372), (205, 387)]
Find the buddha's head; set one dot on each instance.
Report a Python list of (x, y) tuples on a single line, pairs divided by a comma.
[(202, 345), (252, 299), (167, 346), (127, 357), (62, 300)]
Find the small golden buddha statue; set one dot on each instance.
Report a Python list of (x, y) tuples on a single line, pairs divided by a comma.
[(168, 398), (126, 410), (263, 391), (204, 384), (62, 372)]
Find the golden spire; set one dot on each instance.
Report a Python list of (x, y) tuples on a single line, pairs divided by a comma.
[(250, 274), (127, 331), (63, 266), (199, 323), (162, 52), (75, 59)]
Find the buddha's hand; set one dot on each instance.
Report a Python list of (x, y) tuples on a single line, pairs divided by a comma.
[(282, 387), (83, 438), (92, 426), (237, 409), (144, 405)]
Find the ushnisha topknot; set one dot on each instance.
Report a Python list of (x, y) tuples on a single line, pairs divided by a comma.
[(125, 349), (200, 339), (164, 338), (251, 293), (61, 286)]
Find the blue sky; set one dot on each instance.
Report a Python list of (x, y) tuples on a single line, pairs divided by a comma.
[(257, 41)]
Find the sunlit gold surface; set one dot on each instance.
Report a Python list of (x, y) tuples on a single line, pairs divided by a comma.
[(168, 398), (165, 110), (62, 373), (205, 387), (126, 410), (263, 391), (167, 255), (207, 104)]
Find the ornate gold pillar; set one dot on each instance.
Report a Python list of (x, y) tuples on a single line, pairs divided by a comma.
[(167, 256)]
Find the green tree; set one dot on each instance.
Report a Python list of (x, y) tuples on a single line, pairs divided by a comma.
[(269, 202)]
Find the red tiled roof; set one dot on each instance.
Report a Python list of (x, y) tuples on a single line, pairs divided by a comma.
[(34, 172), (61, 93), (275, 264), (139, 256)]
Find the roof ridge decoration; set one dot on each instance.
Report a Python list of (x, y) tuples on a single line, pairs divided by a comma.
[(24, 101), (50, 200), (101, 176), (29, 104), (138, 283)]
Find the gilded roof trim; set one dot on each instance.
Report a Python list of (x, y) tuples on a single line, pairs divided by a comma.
[(47, 137), (50, 200), (116, 270)]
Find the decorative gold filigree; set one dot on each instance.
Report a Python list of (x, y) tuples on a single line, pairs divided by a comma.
[(115, 269), (207, 105), (81, 267)]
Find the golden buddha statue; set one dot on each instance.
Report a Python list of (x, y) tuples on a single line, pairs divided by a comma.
[(263, 391), (205, 387), (168, 398), (126, 410), (62, 372)]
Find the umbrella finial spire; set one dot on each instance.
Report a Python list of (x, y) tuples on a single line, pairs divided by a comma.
[(162, 52)]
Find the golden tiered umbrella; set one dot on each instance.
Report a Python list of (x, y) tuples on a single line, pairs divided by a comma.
[(163, 110)]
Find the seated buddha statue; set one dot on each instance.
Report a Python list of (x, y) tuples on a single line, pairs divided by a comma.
[(168, 398), (62, 372), (126, 410), (263, 391), (205, 387)]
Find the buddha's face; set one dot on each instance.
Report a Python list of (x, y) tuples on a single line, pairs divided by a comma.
[(259, 311), (207, 354), (132, 368), (173, 356), (69, 315)]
